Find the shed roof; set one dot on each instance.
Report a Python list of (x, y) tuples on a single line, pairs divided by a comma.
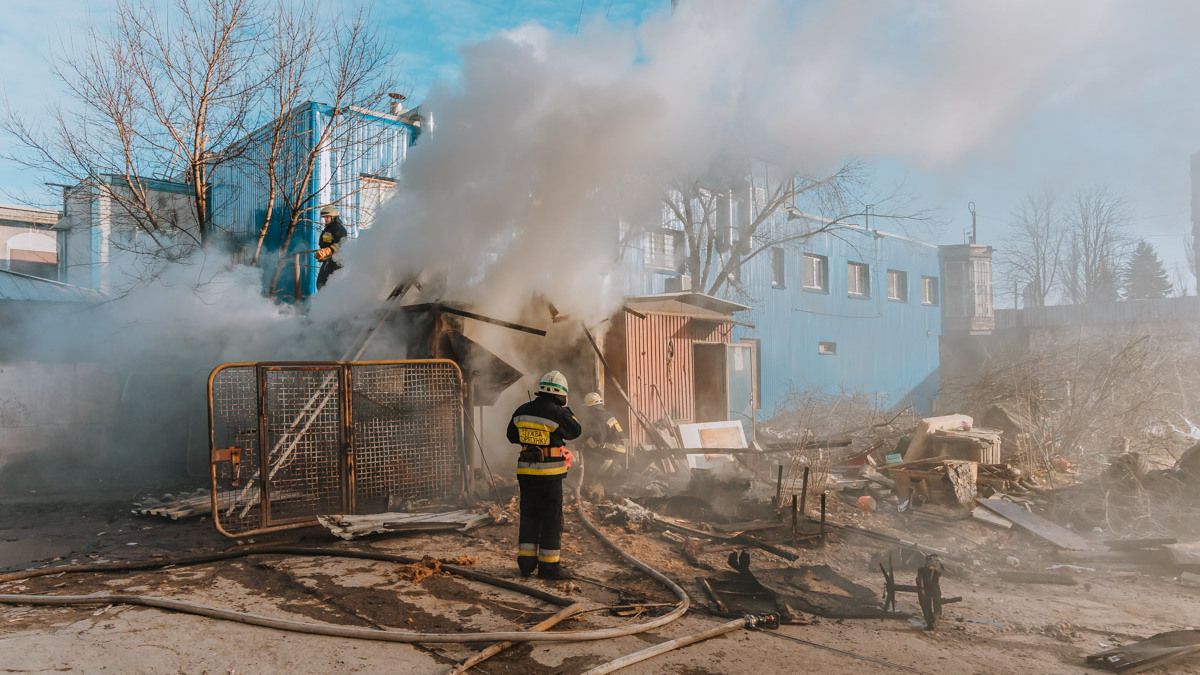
[(15, 286), (696, 305), (43, 218)]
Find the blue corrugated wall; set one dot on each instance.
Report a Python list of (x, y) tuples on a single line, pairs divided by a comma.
[(885, 348), (240, 187)]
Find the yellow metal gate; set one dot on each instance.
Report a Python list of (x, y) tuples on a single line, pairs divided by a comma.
[(291, 441)]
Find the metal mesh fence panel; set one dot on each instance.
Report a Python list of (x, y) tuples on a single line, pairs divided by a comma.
[(304, 428), (408, 434), (233, 400), (406, 449)]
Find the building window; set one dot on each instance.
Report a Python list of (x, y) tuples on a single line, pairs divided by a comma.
[(374, 191), (777, 268), (816, 272), (929, 291), (827, 348), (664, 248), (858, 280), (983, 288), (898, 285)]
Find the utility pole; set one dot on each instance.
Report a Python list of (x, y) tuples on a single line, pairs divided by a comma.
[(974, 229)]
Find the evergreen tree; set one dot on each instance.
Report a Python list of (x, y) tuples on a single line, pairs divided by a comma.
[(1145, 277)]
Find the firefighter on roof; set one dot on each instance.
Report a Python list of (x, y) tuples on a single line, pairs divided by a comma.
[(605, 439), (331, 239), (541, 427)]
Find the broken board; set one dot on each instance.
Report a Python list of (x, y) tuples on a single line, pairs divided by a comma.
[(1039, 526), (354, 526), (712, 435), (1184, 553), (1154, 651)]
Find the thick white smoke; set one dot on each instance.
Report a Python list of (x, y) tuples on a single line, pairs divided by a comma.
[(550, 139)]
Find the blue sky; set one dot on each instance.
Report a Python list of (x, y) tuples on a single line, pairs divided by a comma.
[(427, 35), (1123, 112)]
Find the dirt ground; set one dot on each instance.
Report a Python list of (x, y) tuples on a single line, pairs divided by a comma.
[(999, 627)]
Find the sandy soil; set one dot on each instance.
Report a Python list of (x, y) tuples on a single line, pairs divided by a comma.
[(999, 627)]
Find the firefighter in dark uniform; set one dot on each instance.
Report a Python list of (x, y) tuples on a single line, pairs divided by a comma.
[(605, 439), (330, 240), (541, 427)]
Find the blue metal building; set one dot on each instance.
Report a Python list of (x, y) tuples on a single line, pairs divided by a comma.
[(355, 167), (850, 311)]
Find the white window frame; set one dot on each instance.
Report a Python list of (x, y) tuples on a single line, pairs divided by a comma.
[(663, 248), (778, 267), (929, 291), (858, 280), (897, 285), (816, 272), (982, 270)]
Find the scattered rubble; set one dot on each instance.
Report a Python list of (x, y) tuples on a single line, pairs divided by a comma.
[(429, 566), (176, 506)]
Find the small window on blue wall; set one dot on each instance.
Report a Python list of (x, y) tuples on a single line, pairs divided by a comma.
[(897, 285), (827, 348), (777, 268), (816, 272), (858, 280)]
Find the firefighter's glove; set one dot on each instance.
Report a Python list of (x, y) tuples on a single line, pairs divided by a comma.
[(568, 457), (324, 253)]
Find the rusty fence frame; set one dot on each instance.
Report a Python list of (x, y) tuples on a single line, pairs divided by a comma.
[(347, 450)]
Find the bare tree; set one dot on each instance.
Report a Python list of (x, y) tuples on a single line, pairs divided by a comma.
[(1032, 259), (345, 66), (1097, 246), (723, 225), (182, 100), (153, 99)]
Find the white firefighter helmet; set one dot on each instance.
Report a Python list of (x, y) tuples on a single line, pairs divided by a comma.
[(329, 210), (593, 399), (553, 382)]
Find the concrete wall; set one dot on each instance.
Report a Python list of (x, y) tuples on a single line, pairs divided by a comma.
[(54, 410), (27, 242)]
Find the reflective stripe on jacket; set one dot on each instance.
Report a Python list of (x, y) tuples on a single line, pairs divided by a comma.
[(541, 427)]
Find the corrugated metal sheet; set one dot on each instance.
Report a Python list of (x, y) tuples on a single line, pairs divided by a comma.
[(22, 287), (653, 357)]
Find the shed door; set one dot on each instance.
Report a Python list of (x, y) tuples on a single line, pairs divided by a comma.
[(709, 383), (740, 376)]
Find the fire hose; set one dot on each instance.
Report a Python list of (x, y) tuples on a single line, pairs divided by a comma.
[(199, 609)]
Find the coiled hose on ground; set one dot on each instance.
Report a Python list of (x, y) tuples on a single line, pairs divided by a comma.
[(351, 631)]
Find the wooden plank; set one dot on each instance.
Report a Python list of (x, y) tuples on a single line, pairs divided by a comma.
[(1134, 544), (1038, 578), (1037, 525), (983, 515), (545, 624)]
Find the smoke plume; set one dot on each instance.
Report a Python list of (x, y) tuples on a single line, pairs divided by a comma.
[(551, 146)]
